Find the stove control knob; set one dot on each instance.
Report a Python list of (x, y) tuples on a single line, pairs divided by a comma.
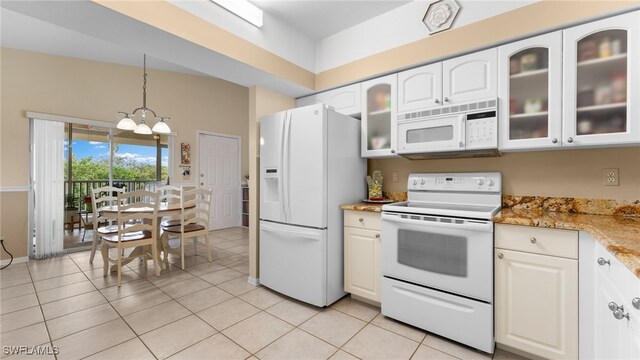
[(422, 182), (490, 182), (480, 181), (415, 182)]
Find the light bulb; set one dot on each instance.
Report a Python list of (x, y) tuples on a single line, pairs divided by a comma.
[(126, 123), (143, 128), (161, 127)]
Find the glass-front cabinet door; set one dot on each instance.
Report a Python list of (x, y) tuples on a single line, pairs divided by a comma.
[(530, 93), (379, 117), (602, 79)]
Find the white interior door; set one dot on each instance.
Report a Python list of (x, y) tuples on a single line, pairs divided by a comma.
[(219, 162)]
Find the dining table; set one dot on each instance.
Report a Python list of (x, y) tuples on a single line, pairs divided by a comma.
[(164, 210)]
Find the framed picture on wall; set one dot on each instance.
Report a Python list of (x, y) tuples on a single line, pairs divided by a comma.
[(185, 154)]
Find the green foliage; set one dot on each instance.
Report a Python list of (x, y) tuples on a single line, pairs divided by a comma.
[(90, 168)]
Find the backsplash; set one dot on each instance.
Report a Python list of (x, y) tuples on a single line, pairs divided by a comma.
[(395, 195), (573, 205)]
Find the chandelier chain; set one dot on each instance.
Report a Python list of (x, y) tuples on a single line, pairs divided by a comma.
[(144, 83)]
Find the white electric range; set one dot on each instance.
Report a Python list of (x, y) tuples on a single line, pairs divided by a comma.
[(437, 255)]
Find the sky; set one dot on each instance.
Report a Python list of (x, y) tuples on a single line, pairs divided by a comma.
[(144, 154)]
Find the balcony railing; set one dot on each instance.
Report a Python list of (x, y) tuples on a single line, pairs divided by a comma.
[(82, 188)]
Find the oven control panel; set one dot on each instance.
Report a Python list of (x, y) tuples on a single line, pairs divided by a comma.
[(463, 182)]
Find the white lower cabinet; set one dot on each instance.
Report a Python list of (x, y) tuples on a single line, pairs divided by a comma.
[(536, 291), (617, 319), (362, 238)]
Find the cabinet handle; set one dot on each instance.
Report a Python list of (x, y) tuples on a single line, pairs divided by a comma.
[(554, 140), (636, 303), (619, 314), (615, 307), (500, 256), (437, 101), (361, 220), (603, 262), (533, 240), (446, 99), (393, 151), (570, 140), (377, 236)]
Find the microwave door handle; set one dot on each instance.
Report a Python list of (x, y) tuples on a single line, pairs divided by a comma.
[(462, 131)]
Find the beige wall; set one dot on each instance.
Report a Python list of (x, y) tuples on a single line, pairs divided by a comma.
[(570, 173), (95, 90), (13, 224), (261, 102)]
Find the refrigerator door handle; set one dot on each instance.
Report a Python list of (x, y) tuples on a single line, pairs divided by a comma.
[(280, 167), (300, 234), (286, 168)]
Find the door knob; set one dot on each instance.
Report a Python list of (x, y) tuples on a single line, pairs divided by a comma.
[(500, 256), (533, 240), (603, 262), (619, 314), (615, 307)]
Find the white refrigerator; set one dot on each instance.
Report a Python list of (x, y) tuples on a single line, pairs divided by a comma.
[(310, 164)]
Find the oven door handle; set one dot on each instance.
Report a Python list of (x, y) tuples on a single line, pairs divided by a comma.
[(484, 226)]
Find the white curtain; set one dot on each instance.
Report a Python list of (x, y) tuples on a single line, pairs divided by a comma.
[(48, 187)]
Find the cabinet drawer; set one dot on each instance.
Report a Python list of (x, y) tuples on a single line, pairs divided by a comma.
[(552, 242), (362, 219)]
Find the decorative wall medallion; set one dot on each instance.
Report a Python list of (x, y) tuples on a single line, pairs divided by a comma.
[(440, 15)]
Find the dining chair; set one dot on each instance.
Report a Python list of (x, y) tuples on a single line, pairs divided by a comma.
[(170, 194), (100, 198), (136, 227), (195, 208)]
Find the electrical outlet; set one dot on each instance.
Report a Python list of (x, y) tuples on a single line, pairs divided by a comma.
[(610, 177), (394, 176)]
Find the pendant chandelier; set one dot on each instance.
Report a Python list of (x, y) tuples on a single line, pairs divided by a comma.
[(126, 123)]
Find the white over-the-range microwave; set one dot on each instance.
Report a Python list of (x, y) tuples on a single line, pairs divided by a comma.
[(463, 130)]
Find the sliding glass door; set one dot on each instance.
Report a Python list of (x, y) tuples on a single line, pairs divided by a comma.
[(88, 157)]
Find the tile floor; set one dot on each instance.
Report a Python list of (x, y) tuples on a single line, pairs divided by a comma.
[(208, 311)]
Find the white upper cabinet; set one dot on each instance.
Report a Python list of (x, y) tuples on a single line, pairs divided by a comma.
[(309, 100), (459, 80), (345, 100), (530, 89), (420, 88), (602, 79), (470, 77), (379, 110)]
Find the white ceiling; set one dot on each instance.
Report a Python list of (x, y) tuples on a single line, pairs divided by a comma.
[(18, 31), (318, 19)]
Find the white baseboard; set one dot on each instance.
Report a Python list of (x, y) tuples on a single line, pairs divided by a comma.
[(19, 260), (253, 281)]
